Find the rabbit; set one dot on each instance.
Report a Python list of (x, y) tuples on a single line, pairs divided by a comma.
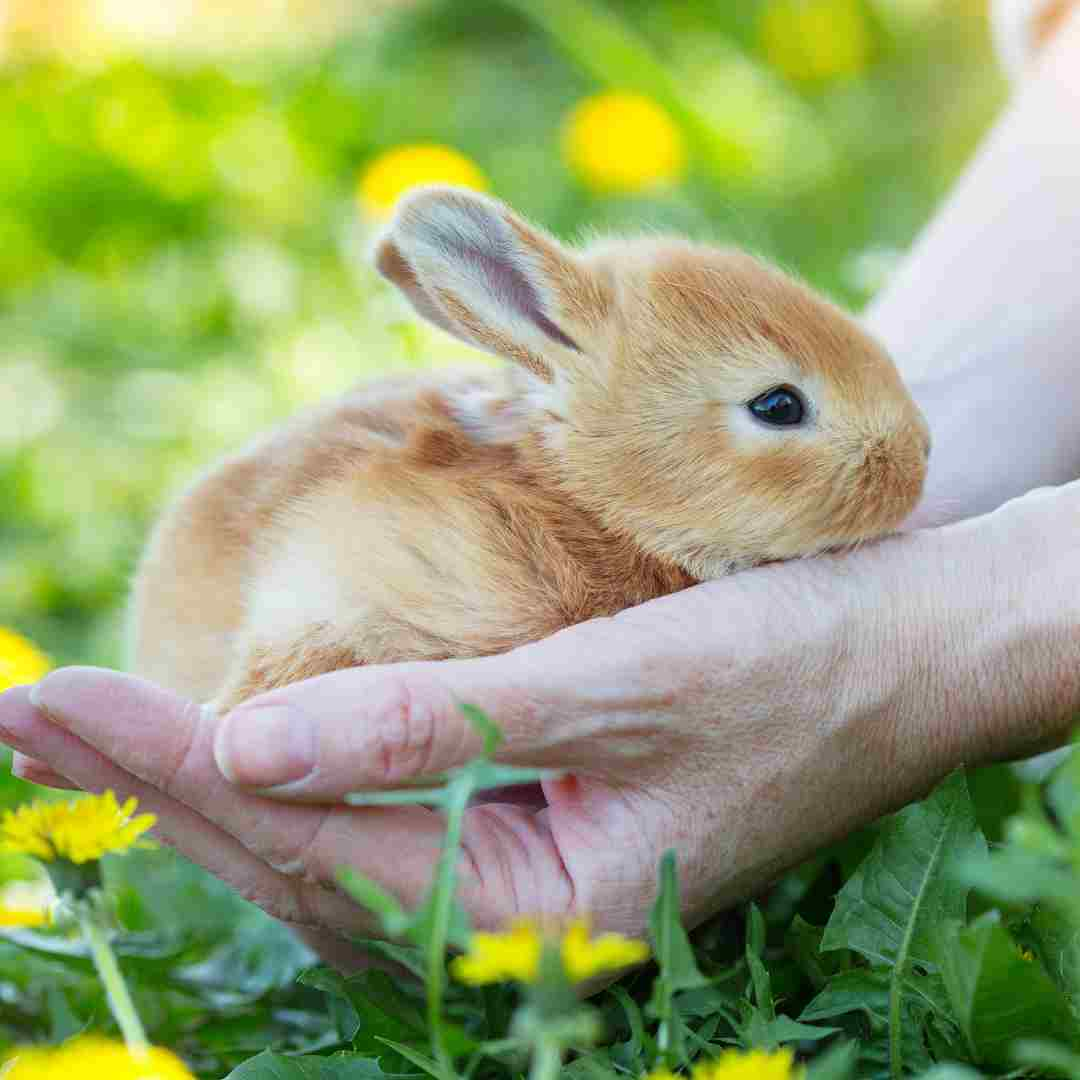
[(669, 413)]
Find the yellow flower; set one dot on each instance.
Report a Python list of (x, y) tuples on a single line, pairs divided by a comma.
[(26, 904), (1027, 954), (621, 142), (582, 958), (91, 1057), (499, 957), (516, 954), (394, 172), (80, 830), (20, 661), (750, 1065)]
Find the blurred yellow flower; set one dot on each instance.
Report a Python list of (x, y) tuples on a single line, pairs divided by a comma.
[(26, 904), (91, 1057), (816, 40), (515, 955), (80, 830), (621, 142), (750, 1065), (500, 957), (20, 660), (394, 172), (583, 958)]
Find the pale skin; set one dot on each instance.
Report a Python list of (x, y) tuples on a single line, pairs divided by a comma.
[(745, 722)]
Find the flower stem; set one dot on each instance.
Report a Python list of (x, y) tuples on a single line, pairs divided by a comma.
[(458, 794), (547, 1059), (123, 1008)]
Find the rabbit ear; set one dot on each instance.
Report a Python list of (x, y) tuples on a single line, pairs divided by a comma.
[(467, 264)]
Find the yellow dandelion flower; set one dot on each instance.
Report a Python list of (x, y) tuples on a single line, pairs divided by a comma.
[(816, 40), (394, 172), (21, 918), (750, 1065), (621, 143), (515, 955), (91, 1057), (21, 661), (501, 957), (26, 904), (80, 830), (583, 958)]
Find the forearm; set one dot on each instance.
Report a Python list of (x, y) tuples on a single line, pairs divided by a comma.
[(984, 315)]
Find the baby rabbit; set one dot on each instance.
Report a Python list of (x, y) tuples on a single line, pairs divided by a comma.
[(670, 413)]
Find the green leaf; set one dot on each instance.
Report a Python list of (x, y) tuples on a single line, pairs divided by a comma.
[(485, 726), (428, 1064), (759, 975), (803, 944), (271, 1066), (782, 1029), (906, 886), (671, 946), (837, 1063), (950, 1071), (996, 994), (675, 958), (408, 956), (866, 991), (416, 796), (1039, 1054), (484, 775), (372, 896)]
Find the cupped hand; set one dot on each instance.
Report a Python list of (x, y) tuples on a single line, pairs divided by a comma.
[(744, 723)]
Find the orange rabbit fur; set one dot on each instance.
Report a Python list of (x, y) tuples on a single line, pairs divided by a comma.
[(613, 460)]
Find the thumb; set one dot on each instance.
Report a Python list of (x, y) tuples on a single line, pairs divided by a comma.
[(379, 727)]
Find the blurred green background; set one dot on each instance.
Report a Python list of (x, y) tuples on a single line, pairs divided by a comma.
[(188, 191)]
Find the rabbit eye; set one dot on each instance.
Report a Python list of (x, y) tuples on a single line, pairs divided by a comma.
[(781, 407)]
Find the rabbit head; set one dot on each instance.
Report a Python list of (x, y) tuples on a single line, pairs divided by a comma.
[(695, 399)]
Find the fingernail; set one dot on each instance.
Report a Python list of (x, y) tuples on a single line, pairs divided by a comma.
[(265, 747)]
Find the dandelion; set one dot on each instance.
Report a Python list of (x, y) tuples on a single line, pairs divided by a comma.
[(623, 143), (816, 40), (750, 1065), (91, 1057), (79, 831), (516, 954), (20, 660), (583, 958), (500, 957), (26, 904), (394, 172)]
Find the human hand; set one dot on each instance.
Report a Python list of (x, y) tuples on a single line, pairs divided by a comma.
[(744, 723)]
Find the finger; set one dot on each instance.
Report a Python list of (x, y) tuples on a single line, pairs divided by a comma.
[(25, 729), (568, 702), (168, 743), (512, 860), (37, 772)]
